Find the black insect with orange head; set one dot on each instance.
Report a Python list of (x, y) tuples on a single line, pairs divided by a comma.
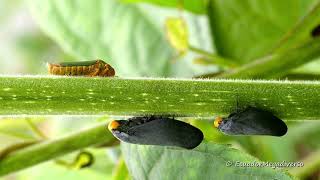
[(156, 130), (251, 121)]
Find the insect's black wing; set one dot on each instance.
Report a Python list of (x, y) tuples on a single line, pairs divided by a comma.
[(143, 119), (166, 132), (253, 121)]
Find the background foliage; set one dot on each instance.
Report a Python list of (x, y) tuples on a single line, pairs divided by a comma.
[(231, 39)]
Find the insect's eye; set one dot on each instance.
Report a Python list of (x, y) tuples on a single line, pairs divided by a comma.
[(217, 121)]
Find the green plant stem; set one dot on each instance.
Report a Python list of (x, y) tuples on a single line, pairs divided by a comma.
[(296, 48), (47, 95), (51, 149), (311, 164), (14, 147), (216, 59), (301, 32), (277, 64), (63, 163)]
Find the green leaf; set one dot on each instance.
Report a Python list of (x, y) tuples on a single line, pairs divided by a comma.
[(195, 6), (245, 30), (177, 32), (120, 34), (207, 161), (97, 96), (282, 149), (120, 171), (128, 36)]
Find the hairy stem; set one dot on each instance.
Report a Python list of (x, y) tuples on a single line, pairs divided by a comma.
[(46, 95)]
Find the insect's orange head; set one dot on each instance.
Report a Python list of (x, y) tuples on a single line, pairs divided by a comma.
[(217, 121), (113, 125)]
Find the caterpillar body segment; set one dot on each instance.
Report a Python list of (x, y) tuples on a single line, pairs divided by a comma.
[(82, 68)]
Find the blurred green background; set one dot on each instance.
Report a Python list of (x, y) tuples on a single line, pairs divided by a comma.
[(140, 48), (25, 49)]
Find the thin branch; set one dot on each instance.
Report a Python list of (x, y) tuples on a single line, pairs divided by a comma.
[(311, 164), (277, 64), (301, 32), (296, 48), (216, 59), (36, 129), (51, 149)]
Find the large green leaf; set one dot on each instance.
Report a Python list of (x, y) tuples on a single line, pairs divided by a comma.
[(248, 29), (208, 161), (128, 36), (120, 34)]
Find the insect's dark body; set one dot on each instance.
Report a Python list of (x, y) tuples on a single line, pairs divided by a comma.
[(253, 121), (156, 130), (83, 68)]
